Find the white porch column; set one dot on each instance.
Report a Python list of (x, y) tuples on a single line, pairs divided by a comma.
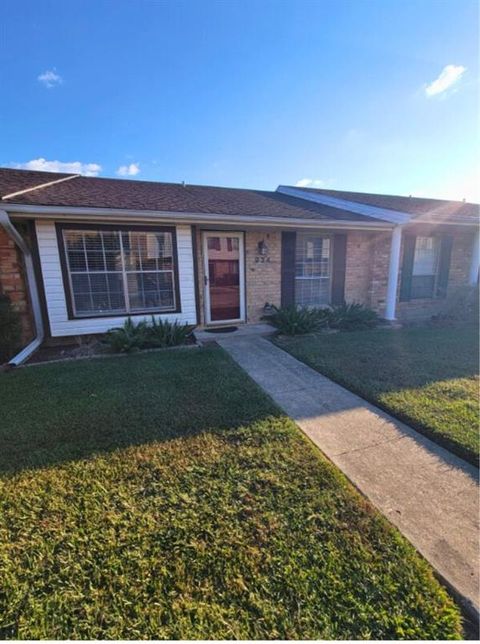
[(475, 263), (393, 269)]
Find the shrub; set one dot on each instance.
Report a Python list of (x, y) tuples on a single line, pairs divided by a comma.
[(162, 333), (352, 317), (133, 337), (10, 329), (297, 320), (127, 338)]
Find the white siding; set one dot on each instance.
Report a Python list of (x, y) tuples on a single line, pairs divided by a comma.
[(60, 325)]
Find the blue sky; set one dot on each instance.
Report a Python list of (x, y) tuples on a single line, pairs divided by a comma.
[(366, 95)]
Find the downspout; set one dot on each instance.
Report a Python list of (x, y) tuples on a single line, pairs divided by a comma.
[(13, 233)]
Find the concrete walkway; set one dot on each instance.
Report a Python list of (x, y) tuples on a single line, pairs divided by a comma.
[(428, 493)]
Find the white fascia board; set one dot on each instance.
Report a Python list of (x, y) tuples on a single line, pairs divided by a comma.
[(118, 214), (382, 214)]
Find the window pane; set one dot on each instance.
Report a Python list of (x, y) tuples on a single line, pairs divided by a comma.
[(151, 291), (422, 286), (148, 251), (425, 258), (113, 271), (312, 270)]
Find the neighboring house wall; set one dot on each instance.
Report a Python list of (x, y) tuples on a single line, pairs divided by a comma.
[(417, 309), (60, 325), (13, 282)]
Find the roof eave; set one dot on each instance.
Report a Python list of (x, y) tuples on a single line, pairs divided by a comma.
[(56, 212)]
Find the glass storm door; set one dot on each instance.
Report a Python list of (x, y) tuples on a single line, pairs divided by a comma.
[(224, 277)]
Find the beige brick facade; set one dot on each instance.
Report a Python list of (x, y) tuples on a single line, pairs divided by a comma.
[(263, 274), (366, 274), (13, 283), (421, 308)]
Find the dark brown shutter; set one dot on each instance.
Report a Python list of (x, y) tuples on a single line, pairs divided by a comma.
[(338, 269), (289, 240), (407, 267), (446, 244)]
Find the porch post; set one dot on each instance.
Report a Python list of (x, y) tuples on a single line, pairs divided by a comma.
[(475, 263), (393, 269)]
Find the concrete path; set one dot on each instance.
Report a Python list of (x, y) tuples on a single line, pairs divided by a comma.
[(428, 493)]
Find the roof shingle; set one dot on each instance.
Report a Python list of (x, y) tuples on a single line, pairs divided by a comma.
[(438, 210), (95, 192)]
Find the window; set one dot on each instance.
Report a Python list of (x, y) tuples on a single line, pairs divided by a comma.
[(120, 271), (312, 270), (425, 267)]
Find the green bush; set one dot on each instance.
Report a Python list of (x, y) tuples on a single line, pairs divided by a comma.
[(297, 320), (162, 333), (127, 338), (133, 337), (352, 317), (10, 329)]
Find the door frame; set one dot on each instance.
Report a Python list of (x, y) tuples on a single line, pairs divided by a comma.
[(241, 274)]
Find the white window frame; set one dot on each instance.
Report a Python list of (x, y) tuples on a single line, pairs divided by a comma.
[(437, 249), (311, 277)]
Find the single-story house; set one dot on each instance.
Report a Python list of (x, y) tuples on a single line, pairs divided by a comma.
[(79, 254)]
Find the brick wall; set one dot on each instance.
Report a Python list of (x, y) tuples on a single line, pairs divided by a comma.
[(358, 270), (13, 283), (422, 308), (366, 275), (263, 274)]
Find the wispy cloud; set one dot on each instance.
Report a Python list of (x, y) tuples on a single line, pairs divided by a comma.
[(449, 75), (74, 167), (130, 170), (50, 78), (310, 183)]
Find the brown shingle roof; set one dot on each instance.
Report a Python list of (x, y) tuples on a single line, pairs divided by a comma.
[(438, 210), (124, 194)]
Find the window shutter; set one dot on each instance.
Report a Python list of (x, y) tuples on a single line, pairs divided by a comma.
[(289, 240), (446, 244), (338, 271), (407, 267)]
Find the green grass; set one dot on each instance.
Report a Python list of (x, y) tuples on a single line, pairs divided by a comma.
[(427, 377), (165, 496)]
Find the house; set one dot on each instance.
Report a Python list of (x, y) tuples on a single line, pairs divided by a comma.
[(79, 254)]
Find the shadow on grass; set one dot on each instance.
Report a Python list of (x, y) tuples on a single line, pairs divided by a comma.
[(57, 413)]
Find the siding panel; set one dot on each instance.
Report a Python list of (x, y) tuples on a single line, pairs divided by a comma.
[(60, 325)]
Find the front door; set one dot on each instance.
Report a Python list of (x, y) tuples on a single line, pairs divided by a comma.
[(224, 277)]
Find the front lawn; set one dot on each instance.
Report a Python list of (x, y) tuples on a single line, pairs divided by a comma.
[(427, 377), (164, 496)]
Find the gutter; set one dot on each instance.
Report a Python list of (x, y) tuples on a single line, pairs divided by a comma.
[(13, 233), (116, 214)]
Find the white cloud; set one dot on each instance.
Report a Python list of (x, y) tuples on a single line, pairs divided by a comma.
[(449, 75), (310, 183), (128, 170), (74, 167), (50, 78)]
